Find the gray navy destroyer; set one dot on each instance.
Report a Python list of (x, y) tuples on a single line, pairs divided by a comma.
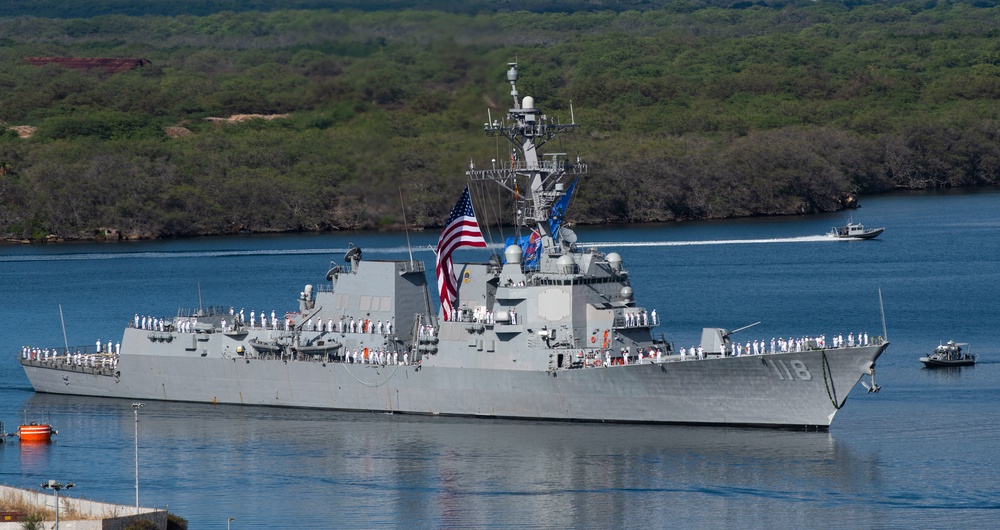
[(552, 332)]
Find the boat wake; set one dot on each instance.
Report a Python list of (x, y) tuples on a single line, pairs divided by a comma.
[(395, 250), (802, 239), (182, 254), (167, 255)]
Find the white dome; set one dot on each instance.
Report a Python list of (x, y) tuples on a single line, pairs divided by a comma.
[(513, 254), (566, 264), (615, 260)]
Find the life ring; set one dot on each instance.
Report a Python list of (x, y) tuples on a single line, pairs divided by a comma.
[(593, 339)]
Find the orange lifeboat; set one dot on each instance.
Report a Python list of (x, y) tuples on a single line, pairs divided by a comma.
[(35, 433)]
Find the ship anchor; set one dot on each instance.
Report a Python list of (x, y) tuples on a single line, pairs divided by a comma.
[(874, 388)]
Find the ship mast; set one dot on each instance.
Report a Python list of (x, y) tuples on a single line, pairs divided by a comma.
[(527, 129)]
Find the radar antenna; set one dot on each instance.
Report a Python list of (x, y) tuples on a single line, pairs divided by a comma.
[(353, 256), (528, 129)]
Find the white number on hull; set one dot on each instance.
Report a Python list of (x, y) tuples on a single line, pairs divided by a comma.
[(798, 369)]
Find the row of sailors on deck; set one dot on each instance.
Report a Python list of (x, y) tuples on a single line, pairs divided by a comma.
[(376, 357), (107, 347), (779, 345), (89, 360), (351, 326), (697, 353), (158, 324), (263, 320), (150, 323), (861, 340), (653, 355), (483, 316), (342, 326), (186, 325), (240, 319), (640, 318)]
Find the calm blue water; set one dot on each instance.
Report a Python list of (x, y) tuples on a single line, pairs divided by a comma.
[(919, 454)]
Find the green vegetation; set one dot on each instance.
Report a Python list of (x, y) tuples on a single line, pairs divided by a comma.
[(33, 522), (176, 522), (141, 524), (688, 109)]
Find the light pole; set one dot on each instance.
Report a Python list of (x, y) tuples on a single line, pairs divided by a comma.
[(231, 519), (135, 409), (53, 485)]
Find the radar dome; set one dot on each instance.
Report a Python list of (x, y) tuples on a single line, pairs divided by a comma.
[(626, 293), (528, 103), (566, 264), (513, 254), (567, 234), (615, 260)]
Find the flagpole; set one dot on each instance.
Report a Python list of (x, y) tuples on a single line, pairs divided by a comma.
[(406, 226), (63, 320)]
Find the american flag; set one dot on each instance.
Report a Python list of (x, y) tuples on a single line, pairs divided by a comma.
[(461, 230)]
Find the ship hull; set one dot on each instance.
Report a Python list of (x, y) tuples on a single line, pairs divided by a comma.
[(800, 389), (934, 363)]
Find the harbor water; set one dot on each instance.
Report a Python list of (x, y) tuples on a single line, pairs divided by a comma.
[(919, 453)]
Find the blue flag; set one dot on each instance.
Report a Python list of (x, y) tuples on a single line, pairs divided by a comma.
[(531, 249), (559, 210)]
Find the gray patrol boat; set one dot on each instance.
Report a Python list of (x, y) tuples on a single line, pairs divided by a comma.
[(553, 334)]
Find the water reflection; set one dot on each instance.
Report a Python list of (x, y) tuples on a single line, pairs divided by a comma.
[(945, 372), (34, 455), (387, 469)]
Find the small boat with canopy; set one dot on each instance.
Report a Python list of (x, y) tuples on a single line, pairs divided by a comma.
[(950, 354)]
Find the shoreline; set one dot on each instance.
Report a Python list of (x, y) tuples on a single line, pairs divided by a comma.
[(395, 228)]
